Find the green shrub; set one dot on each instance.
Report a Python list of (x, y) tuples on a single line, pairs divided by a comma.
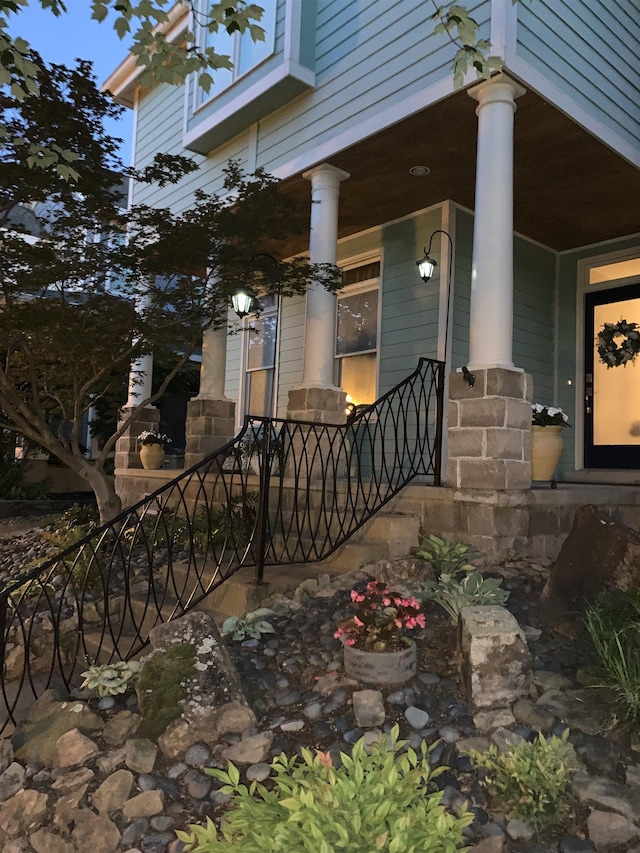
[(532, 779), (447, 557), (473, 589), (613, 628), (377, 800)]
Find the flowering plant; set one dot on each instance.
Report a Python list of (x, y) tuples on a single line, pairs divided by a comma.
[(150, 436), (548, 416), (613, 354), (381, 616)]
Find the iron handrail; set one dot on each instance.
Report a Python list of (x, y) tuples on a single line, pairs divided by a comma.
[(281, 491)]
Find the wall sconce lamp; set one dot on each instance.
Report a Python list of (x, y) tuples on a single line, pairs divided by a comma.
[(427, 265), (242, 302)]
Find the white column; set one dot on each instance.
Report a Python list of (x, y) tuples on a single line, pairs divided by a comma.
[(491, 311), (320, 329), (214, 364), (140, 380)]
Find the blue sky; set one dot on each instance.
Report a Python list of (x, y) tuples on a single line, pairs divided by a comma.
[(72, 36)]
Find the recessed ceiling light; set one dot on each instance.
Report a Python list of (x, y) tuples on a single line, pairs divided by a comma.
[(419, 171)]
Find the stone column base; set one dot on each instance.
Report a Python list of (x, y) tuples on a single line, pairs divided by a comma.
[(127, 455), (490, 430), (321, 405), (210, 425)]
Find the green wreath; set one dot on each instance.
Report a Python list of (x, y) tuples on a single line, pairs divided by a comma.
[(613, 354)]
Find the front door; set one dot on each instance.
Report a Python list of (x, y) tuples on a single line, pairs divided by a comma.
[(612, 395)]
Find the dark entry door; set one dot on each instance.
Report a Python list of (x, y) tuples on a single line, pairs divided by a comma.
[(612, 395)]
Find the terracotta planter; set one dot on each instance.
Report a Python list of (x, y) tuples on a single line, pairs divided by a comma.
[(380, 667), (152, 456), (546, 450)]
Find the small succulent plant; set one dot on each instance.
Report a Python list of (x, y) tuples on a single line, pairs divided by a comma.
[(111, 679)]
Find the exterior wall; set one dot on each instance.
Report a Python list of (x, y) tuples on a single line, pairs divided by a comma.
[(533, 306), (373, 67), (585, 50), (567, 320)]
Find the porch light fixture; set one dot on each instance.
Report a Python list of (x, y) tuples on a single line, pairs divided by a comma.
[(427, 265), (242, 302)]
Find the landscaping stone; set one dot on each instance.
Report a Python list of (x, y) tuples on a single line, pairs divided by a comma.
[(140, 755), (527, 712), (416, 717), (88, 827), (495, 658), (114, 792), (122, 726), (368, 708), (518, 830), (251, 750), (74, 748), (607, 829), (144, 805), (11, 781), (23, 812)]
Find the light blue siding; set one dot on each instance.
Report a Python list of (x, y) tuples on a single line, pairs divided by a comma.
[(589, 50), (409, 306)]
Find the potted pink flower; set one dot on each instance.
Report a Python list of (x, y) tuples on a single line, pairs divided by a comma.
[(376, 648)]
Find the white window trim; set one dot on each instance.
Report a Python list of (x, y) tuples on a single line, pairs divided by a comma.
[(241, 409), (353, 262)]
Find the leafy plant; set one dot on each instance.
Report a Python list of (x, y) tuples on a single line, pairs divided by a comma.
[(542, 415), (613, 626), (473, 589), (252, 625), (376, 800), (111, 679), (532, 779), (447, 557), (72, 526), (380, 618)]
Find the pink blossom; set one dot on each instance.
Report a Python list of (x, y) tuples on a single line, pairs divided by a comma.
[(350, 642), (358, 622), (398, 622), (386, 602), (413, 602), (420, 620)]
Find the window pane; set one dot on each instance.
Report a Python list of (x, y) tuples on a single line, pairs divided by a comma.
[(357, 322), (358, 377), (253, 52), (262, 343), (363, 273), (260, 396), (223, 44)]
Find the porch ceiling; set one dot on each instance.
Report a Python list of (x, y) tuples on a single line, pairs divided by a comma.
[(570, 190)]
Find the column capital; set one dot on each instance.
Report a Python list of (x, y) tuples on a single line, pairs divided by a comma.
[(497, 88), (325, 175)]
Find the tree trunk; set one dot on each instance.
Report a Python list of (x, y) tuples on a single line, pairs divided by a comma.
[(109, 504)]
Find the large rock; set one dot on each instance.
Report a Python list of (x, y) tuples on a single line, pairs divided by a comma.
[(208, 700), (598, 552)]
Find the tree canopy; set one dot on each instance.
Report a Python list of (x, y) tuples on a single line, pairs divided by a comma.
[(87, 286)]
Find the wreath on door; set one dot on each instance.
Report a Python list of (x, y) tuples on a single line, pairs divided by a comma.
[(614, 354)]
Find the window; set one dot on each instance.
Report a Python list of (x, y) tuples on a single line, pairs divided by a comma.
[(357, 334), (244, 52), (261, 335)]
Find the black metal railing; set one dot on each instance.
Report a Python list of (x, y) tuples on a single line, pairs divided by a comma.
[(280, 492)]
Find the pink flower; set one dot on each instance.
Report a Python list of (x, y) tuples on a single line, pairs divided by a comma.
[(350, 642), (421, 621), (387, 601), (398, 622), (413, 602), (358, 622)]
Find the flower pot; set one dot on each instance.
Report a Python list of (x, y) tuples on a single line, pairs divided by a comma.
[(380, 667), (152, 456), (546, 450)]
